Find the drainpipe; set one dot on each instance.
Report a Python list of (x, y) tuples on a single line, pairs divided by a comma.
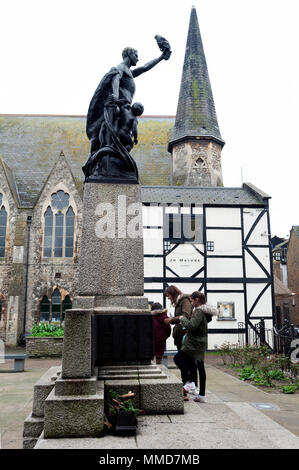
[(29, 220)]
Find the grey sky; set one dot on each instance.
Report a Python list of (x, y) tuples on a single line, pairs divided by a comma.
[(54, 53)]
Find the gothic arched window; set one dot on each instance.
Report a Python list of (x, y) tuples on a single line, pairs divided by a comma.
[(59, 222), (3, 223), (56, 307), (53, 309), (45, 309)]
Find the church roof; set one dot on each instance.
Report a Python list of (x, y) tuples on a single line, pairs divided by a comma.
[(196, 114), (31, 144)]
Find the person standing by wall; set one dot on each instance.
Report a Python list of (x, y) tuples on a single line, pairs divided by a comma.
[(161, 330), (194, 345), (183, 307)]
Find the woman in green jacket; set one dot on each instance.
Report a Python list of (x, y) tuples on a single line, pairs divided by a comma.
[(191, 356)]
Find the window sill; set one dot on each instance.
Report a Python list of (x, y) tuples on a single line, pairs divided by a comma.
[(227, 319), (58, 260)]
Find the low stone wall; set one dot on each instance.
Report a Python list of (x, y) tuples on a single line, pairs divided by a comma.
[(44, 346)]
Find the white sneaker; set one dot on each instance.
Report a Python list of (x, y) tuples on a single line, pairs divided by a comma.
[(200, 398), (189, 387)]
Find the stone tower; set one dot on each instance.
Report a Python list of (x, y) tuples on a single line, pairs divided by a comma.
[(196, 143)]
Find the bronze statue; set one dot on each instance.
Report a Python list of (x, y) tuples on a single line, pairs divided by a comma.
[(111, 124)]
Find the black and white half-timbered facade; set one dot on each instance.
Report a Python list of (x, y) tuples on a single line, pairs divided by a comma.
[(215, 240)]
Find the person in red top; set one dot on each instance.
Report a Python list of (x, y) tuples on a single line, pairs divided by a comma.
[(161, 330)]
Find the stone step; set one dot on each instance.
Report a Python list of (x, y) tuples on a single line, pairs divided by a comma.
[(76, 386), (42, 388)]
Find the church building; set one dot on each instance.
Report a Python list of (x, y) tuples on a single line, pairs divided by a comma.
[(198, 234)]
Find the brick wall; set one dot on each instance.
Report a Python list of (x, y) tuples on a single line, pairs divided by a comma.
[(293, 273)]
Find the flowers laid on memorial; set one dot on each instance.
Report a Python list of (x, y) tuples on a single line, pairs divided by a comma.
[(121, 414)]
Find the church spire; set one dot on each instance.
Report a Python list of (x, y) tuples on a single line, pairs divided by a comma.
[(196, 118)]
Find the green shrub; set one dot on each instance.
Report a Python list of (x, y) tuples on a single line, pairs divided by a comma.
[(276, 374), (247, 373), (289, 388), (47, 329)]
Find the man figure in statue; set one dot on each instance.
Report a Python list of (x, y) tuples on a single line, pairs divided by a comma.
[(105, 115)]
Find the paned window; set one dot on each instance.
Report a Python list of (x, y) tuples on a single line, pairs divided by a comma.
[(276, 255), (53, 309), (210, 246), (3, 223), (45, 309), (59, 225)]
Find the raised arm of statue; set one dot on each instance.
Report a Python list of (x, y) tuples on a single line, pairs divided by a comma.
[(149, 65)]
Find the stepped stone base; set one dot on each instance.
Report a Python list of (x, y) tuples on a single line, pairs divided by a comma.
[(157, 390), (76, 386), (75, 415), (33, 427), (34, 423)]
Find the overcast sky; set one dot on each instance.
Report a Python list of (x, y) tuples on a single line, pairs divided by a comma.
[(54, 53)]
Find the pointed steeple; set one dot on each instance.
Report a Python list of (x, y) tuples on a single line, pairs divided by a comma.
[(196, 115), (196, 142)]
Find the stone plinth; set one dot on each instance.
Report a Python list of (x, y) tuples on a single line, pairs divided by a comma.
[(111, 261), (74, 415), (76, 361)]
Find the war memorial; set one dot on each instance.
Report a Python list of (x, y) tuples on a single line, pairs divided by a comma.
[(124, 251)]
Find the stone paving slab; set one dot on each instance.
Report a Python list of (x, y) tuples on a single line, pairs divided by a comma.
[(266, 428), (203, 426)]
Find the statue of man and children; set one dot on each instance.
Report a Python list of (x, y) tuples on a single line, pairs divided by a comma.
[(112, 120)]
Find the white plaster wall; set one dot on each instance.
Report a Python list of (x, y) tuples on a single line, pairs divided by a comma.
[(252, 268), (153, 267), (153, 285), (259, 235), (263, 256), (219, 339), (226, 242), (215, 286), (264, 305), (221, 267), (152, 216), (153, 241), (223, 217)]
